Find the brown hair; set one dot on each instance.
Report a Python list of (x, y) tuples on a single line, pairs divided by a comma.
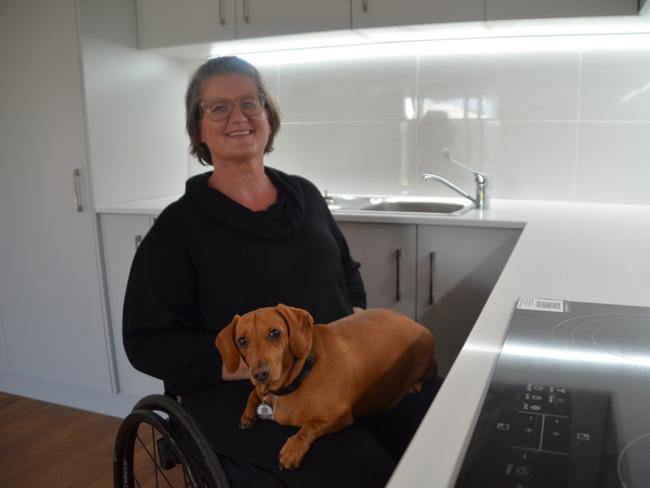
[(193, 111)]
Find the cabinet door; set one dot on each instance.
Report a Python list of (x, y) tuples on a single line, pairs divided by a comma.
[(457, 270), (164, 23), (51, 307), (257, 18), (387, 256), (537, 9), (121, 235), (378, 13)]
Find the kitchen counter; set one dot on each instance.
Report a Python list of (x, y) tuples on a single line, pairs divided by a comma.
[(581, 252), (572, 251)]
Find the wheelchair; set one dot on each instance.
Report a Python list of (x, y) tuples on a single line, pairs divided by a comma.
[(159, 445)]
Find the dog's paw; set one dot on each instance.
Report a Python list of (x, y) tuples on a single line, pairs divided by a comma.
[(292, 453), (246, 422)]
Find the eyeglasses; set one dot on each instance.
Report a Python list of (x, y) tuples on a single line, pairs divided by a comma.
[(249, 104)]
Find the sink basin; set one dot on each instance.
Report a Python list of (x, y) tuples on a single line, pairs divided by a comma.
[(396, 204), (429, 207)]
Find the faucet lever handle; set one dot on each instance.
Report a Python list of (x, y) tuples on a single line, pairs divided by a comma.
[(478, 174)]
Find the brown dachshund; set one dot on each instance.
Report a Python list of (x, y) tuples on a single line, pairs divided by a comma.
[(323, 377)]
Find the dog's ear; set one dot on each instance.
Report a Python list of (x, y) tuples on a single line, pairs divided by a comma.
[(301, 326), (227, 346)]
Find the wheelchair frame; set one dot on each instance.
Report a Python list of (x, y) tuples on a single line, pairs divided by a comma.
[(175, 442)]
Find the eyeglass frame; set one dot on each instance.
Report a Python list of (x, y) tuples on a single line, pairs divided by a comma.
[(231, 104)]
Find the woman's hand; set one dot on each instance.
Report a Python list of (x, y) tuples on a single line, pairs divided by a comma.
[(357, 309), (242, 373)]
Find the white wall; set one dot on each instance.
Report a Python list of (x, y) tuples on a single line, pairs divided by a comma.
[(555, 118), (134, 108)]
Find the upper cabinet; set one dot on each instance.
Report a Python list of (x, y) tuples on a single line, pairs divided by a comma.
[(537, 9), (166, 23), (380, 13), (258, 18), (163, 23)]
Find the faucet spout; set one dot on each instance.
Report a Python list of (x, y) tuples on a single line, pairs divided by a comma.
[(481, 199), (456, 188)]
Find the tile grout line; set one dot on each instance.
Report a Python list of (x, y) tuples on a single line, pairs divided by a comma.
[(578, 122)]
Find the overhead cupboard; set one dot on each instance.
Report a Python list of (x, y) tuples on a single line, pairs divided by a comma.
[(166, 23), (177, 22)]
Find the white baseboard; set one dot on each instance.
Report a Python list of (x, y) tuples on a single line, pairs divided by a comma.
[(72, 396)]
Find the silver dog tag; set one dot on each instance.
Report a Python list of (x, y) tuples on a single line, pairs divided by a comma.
[(264, 411)]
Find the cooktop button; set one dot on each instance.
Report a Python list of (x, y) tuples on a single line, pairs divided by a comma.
[(522, 471)]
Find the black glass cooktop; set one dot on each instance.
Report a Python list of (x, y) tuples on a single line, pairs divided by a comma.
[(569, 401)]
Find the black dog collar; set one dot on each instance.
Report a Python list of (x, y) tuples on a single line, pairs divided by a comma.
[(309, 362)]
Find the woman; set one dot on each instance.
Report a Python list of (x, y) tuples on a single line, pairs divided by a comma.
[(243, 236)]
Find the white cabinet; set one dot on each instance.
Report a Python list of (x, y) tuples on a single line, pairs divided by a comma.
[(121, 235), (258, 18), (51, 298), (379, 13), (457, 270), (446, 273), (164, 23), (176, 22), (535, 9), (387, 256)]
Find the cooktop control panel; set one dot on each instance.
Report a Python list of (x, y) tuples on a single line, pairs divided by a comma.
[(535, 435)]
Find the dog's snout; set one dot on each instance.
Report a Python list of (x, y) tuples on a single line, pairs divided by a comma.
[(261, 374)]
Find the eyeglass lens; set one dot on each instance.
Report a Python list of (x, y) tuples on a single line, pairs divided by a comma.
[(221, 109)]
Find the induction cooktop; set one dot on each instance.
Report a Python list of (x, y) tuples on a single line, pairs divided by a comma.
[(569, 401)]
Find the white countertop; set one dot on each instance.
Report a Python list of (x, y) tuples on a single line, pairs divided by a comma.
[(580, 252), (572, 251)]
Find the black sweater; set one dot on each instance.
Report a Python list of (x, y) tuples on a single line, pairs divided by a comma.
[(207, 258)]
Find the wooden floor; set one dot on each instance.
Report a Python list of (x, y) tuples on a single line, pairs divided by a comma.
[(46, 445)]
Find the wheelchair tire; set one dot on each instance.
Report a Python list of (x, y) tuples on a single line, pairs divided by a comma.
[(186, 445)]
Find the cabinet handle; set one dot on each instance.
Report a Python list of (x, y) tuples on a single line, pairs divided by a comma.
[(138, 240), (222, 12), (398, 291), (247, 13), (364, 5), (432, 272), (76, 178)]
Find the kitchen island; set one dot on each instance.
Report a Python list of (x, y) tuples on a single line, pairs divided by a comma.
[(572, 251)]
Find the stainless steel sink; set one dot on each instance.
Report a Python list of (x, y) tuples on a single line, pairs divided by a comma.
[(429, 207), (396, 204)]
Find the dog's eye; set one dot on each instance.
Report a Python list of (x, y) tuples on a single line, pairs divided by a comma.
[(274, 334), (243, 341)]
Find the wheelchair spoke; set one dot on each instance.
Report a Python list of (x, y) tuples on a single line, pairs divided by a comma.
[(155, 462), (181, 456)]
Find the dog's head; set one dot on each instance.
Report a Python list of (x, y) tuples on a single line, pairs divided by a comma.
[(268, 340)]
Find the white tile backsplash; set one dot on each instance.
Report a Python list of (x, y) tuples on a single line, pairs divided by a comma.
[(616, 85), (526, 117), (613, 162), (349, 157), (531, 160), (504, 86), (349, 90)]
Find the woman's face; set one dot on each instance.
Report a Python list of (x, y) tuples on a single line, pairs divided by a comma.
[(239, 137)]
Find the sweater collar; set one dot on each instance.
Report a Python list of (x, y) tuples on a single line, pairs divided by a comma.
[(280, 221)]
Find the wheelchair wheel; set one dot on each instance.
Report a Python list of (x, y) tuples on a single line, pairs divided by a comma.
[(159, 444)]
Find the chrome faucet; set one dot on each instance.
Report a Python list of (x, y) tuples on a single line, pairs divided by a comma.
[(481, 179)]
